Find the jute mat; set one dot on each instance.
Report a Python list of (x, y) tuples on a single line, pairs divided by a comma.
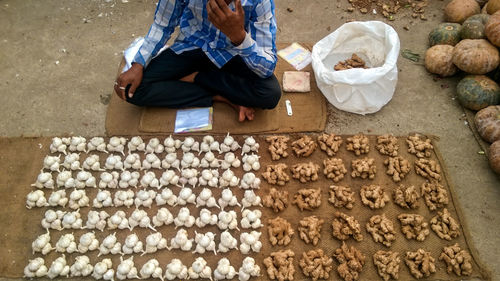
[(309, 114), (21, 160)]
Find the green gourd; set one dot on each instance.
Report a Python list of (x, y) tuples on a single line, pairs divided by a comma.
[(473, 27), (445, 34), (476, 92)]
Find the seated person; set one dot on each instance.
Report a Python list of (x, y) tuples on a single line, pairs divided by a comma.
[(226, 51)]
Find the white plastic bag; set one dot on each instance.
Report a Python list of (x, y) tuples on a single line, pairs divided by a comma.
[(358, 90)]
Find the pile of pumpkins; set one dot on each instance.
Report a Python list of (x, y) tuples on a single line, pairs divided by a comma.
[(468, 41)]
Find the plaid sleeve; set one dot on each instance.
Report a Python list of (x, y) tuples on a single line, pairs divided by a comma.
[(167, 16)]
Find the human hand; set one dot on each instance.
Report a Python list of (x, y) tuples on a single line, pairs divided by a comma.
[(228, 22), (132, 77)]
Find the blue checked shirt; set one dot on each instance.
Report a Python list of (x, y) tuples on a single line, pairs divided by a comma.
[(258, 49)]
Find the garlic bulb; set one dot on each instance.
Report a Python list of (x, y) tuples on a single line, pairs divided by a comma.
[(53, 219), (126, 269), (129, 179), (230, 160), (144, 198), (227, 220), (171, 145), (132, 245), (228, 199), (140, 218), (66, 244), (250, 145), (209, 161), (205, 198), (249, 180), (35, 268), (81, 267), (65, 179), (58, 198), (92, 163), (250, 199), (151, 269), (189, 161), (59, 267), (124, 198), (149, 180), (251, 162), (114, 162), (59, 145), (154, 146), (250, 241), (209, 177), (109, 245), (163, 217), (85, 179), (189, 176), (88, 242), (102, 199), (132, 161), (77, 199), (36, 198), (72, 162), (52, 163), (251, 219), (227, 242), (171, 161), (166, 197), (176, 270), (181, 241), (109, 180), (206, 218), (184, 218), (44, 180), (154, 242), (224, 270), (118, 220), (228, 179), (186, 196), (42, 244), (136, 144), (103, 270), (200, 269), (229, 144), (117, 144), (151, 162), (169, 178), (72, 220), (190, 144), (204, 242), (248, 269), (77, 144), (96, 220), (96, 143), (208, 144)]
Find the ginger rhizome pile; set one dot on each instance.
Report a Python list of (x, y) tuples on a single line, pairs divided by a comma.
[(341, 196), (374, 196), (305, 172), (276, 174), (354, 62), (363, 168), (345, 226), (406, 196), (387, 145), (330, 143), (278, 146), (276, 199), (387, 264), (351, 262), (381, 229), (359, 144), (419, 146), (414, 226), (280, 231), (307, 199), (435, 195), (428, 169), (457, 260), (445, 226), (420, 263), (316, 265), (334, 169), (397, 168), (304, 146), (280, 265), (310, 229)]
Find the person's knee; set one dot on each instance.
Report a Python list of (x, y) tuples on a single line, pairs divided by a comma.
[(136, 99), (272, 93)]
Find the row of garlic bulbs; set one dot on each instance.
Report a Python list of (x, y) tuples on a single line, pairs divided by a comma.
[(202, 242), (170, 145), (103, 270)]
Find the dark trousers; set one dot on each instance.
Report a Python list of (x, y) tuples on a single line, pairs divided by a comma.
[(160, 84)]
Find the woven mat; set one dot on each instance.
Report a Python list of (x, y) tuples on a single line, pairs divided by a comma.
[(21, 160)]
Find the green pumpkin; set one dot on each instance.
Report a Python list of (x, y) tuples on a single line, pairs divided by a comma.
[(476, 92), (445, 34), (473, 27)]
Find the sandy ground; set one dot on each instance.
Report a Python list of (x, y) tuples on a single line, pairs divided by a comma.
[(58, 59)]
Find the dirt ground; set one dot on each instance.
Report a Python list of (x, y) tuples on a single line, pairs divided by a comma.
[(58, 60)]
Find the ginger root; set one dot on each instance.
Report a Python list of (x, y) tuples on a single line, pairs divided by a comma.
[(305, 172), (387, 145), (397, 167), (307, 199), (280, 265), (419, 147), (381, 229), (428, 169), (345, 226), (275, 174), (280, 231), (330, 143), (435, 195), (445, 226), (420, 263), (278, 146), (304, 146), (413, 226), (354, 62), (341, 196), (457, 260), (276, 199), (334, 169), (351, 262), (387, 264), (406, 196), (363, 168), (374, 196), (316, 265), (359, 144), (310, 229)]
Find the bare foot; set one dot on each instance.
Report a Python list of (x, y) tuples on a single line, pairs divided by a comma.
[(189, 78), (244, 113)]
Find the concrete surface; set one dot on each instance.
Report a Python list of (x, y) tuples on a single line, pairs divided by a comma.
[(58, 60)]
